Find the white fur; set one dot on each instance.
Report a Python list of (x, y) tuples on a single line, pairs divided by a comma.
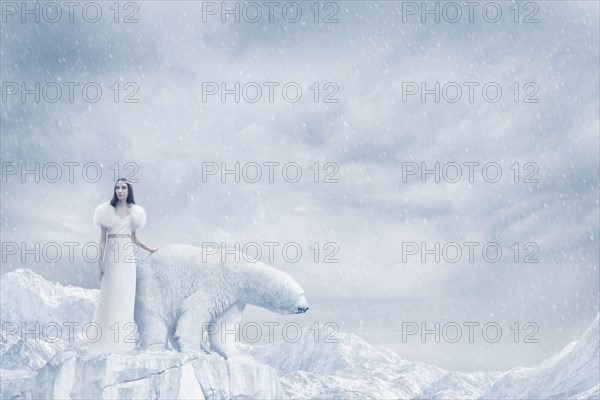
[(105, 215), (178, 294)]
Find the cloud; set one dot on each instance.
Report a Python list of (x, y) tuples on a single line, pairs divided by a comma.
[(170, 134)]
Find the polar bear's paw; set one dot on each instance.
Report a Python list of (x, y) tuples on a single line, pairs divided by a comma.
[(191, 330), (184, 344), (156, 347), (228, 356)]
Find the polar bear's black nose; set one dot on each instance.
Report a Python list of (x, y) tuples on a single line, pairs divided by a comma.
[(302, 309)]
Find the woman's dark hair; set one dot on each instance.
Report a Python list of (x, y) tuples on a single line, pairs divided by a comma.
[(115, 200)]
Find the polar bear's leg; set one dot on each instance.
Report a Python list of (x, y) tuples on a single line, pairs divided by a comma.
[(223, 342), (153, 333), (190, 333)]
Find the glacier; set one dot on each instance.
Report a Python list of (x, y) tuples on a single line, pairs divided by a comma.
[(60, 368)]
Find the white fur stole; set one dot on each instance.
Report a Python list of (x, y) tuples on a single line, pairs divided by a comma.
[(105, 214)]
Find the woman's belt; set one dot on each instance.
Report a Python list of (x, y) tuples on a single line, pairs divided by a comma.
[(119, 235)]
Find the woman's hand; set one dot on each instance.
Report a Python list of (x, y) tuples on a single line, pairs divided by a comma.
[(137, 241)]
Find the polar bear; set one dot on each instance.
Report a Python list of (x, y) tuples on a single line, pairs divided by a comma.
[(179, 294)]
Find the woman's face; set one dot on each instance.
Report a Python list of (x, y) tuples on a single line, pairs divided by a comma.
[(121, 190)]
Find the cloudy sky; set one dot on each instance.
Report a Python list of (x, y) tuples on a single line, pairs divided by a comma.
[(363, 57)]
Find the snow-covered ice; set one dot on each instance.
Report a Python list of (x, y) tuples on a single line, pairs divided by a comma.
[(350, 368)]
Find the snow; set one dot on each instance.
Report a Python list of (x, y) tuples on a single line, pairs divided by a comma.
[(28, 297), (151, 374), (347, 367), (572, 373), (354, 369)]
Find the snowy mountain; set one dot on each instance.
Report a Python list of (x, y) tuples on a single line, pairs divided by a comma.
[(354, 369), (572, 373), (28, 297), (346, 367), (34, 368)]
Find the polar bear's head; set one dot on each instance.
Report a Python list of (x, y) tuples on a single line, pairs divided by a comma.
[(280, 293), (267, 287), (289, 298)]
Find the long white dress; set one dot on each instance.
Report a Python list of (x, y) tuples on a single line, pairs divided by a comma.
[(113, 316)]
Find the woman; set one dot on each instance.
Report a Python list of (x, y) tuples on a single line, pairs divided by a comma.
[(119, 219)]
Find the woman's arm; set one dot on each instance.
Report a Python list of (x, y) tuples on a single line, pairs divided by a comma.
[(102, 246), (135, 240)]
